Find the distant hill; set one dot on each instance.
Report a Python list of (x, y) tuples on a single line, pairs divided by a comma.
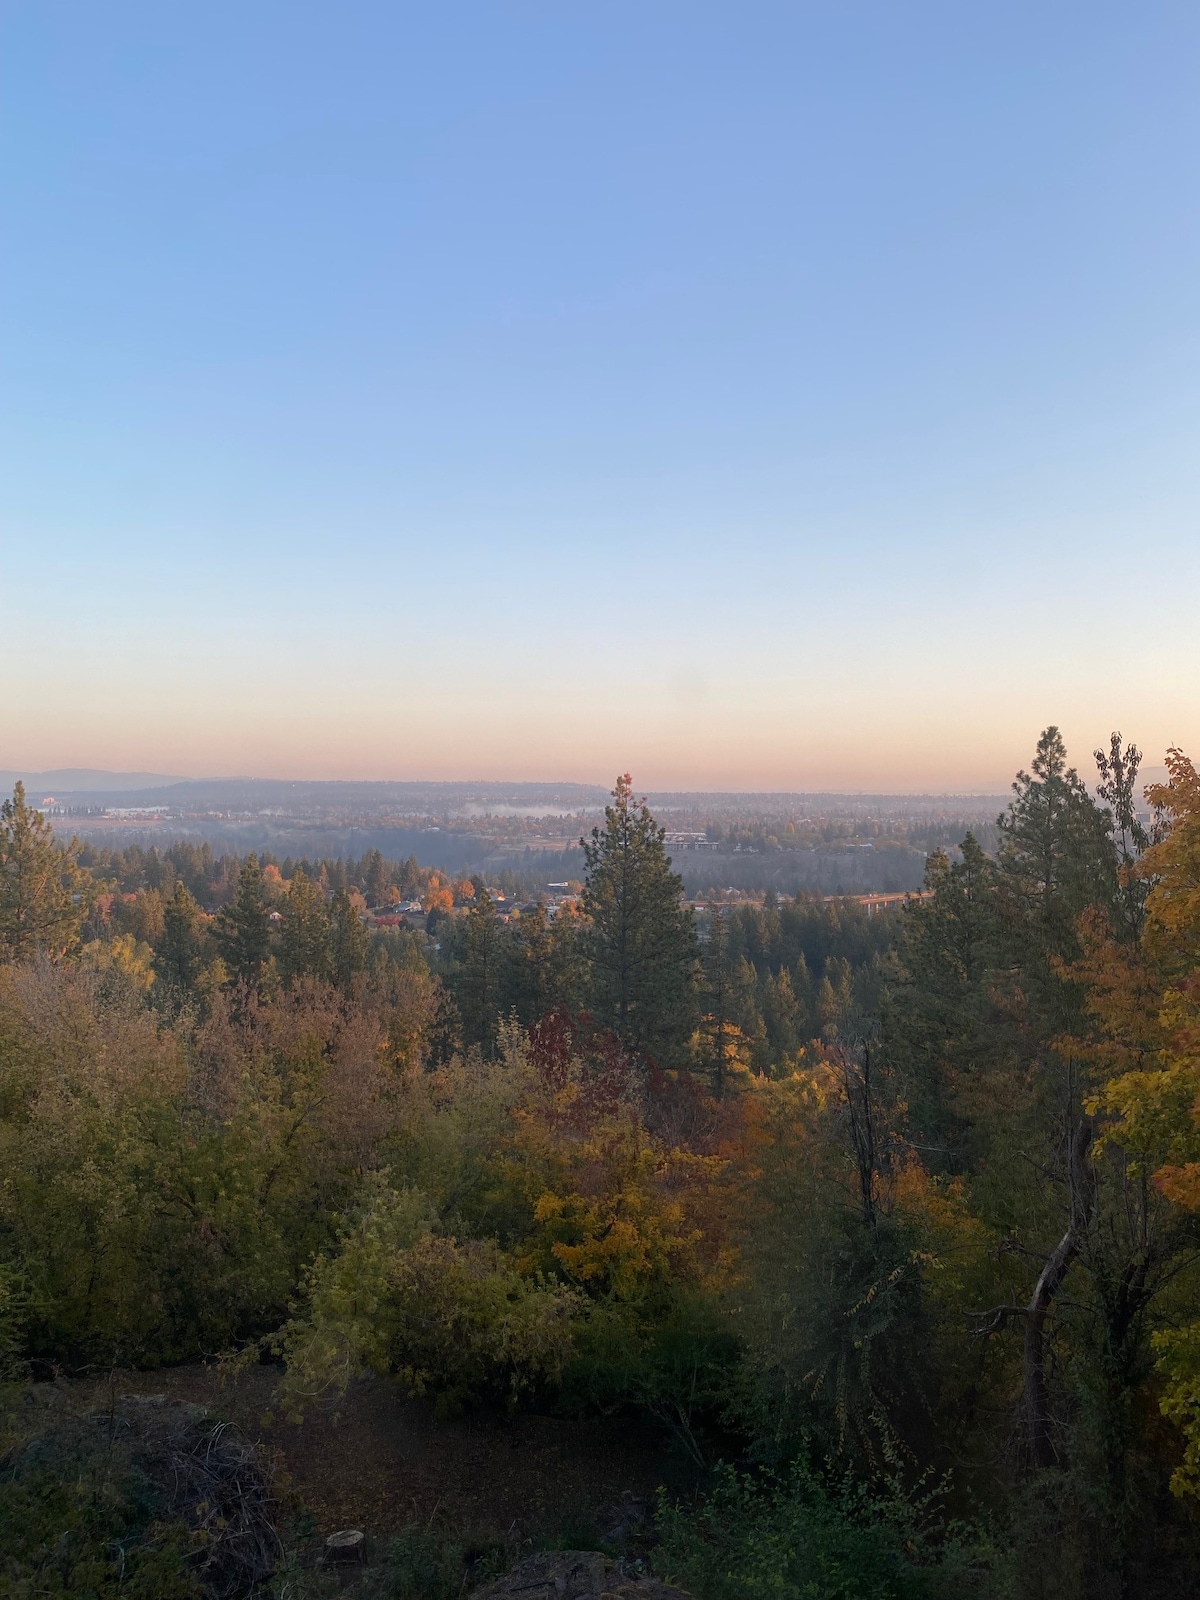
[(71, 780)]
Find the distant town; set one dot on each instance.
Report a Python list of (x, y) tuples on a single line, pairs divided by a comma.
[(527, 836)]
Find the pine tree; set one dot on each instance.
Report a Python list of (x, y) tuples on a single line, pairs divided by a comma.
[(243, 931), (641, 943), (545, 970), (304, 946), (42, 904), (373, 876), (1056, 851), (481, 980), (348, 940), (177, 957), (1118, 769), (718, 997)]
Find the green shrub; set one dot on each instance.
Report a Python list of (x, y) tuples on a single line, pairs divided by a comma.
[(451, 1319), (421, 1564), (90, 1528), (802, 1538)]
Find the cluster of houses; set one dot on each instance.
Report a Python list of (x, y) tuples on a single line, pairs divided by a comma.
[(553, 898)]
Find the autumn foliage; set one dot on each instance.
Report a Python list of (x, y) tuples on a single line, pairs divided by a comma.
[(903, 1215)]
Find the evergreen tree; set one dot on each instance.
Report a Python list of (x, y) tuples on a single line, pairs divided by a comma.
[(943, 1026), (1057, 855), (1118, 769), (545, 971), (718, 996), (304, 946), (348, 940), (481, 979), (243, 930), (641, 943), (781, 1015), (373, 875), (177, 956), (41, 884)]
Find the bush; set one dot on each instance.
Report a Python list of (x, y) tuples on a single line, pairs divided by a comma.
[(454, 1320), (802, 1538), (149, 1499)]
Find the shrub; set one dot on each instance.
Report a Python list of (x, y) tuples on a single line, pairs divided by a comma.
[(803, 1538)]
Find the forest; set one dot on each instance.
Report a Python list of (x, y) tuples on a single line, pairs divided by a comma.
[(888, 1226)]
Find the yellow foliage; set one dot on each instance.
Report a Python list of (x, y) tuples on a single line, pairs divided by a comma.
[(126, 955), (1148, 1006)]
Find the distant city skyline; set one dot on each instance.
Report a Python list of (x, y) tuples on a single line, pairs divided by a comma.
[(791, 397)]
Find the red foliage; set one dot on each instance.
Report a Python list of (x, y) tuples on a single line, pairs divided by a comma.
[(565, 1049)]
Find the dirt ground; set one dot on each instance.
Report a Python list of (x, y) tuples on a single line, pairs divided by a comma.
[(381, 1460)]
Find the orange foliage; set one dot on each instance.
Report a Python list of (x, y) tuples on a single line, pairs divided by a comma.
[(618, 1208)]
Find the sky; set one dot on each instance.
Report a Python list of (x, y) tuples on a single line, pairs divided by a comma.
[(780, 396)]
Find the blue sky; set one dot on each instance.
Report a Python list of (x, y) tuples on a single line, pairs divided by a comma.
[(751, 395)]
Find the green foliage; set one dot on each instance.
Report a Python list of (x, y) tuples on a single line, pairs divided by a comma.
[(177, 958), (455, 1320), (160, 1199), (348, 943), (809, 1537), (1057, 856), (641, 944), (41, 888), (676, 1360), (244, 931), (90, 1539), (482, 980), (304, 946), (14, 1311), (422, 1564), (919, 1189)]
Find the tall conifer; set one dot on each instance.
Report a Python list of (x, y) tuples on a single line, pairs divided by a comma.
[(304, 946), (41, 900), (177, 958), (244, 931), (349, 944), (641, 943)]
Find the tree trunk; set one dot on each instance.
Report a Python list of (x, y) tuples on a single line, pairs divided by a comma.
[(1050, 1281)]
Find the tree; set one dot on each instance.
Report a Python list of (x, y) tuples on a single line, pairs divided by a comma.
[(1118, 768), (410, 879), (1148, 1003), (479, 985), (348, 940), (545, 971), (41, 884), (244, 931), (304, 946), (718, 993), (177, 958), (1057, 856), (373, 876), (941, 1026), (641, 943)]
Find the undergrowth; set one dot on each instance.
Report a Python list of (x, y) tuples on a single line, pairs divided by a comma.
[(803, 1537)]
